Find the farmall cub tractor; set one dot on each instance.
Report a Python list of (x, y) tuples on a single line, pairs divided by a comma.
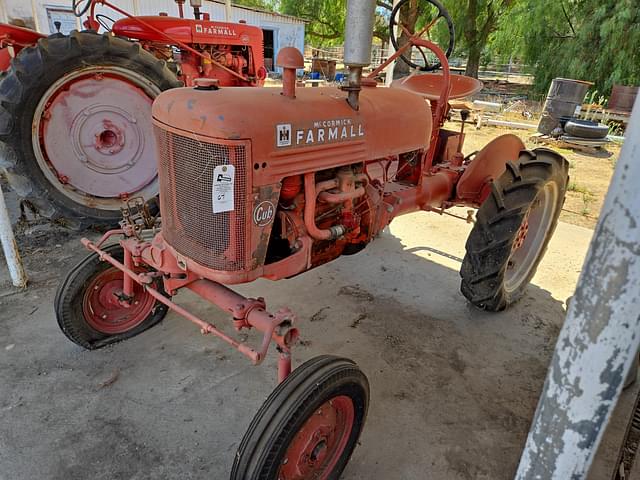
[(274, 182), (75, 111)]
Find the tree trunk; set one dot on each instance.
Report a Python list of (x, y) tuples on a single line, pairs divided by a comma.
[(473, 62), (407, 17)]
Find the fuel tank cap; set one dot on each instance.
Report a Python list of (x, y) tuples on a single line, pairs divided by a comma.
[(207, 84)]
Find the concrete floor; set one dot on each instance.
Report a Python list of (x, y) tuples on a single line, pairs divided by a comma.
[(453, 388)]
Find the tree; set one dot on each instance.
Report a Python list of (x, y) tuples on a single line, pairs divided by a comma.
[(593, 40), (476, 21), (263, 4), (326, 18)]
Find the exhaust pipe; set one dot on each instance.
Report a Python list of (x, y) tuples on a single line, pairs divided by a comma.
[(358, 37)]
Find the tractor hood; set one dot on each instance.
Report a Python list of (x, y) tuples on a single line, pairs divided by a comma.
[(315, 130)]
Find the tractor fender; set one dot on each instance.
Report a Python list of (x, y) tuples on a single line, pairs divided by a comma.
[(16, 37), (20, 36), (488, 164)]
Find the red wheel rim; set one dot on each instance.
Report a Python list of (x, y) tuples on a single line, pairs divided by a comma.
[(103, 309), (319, 444), (521, 236)]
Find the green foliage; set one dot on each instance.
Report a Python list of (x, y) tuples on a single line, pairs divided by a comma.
[(475, 22), (326, 19), (269, 5), (594, 40)]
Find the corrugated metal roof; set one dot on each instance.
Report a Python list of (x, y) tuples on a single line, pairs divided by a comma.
[(262, 10)]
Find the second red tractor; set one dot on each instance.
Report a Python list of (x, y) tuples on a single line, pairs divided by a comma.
[(75, 111)]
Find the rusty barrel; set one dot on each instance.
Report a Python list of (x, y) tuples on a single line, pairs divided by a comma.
[(622, 98), (563, 100)]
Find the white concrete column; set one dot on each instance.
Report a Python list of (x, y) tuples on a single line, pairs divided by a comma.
[(600, 337), (36, 19), (4, 18), (227, 11)]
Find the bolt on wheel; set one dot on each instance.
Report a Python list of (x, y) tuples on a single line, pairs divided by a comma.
[(309, 426), (531, 237), (105, 309)]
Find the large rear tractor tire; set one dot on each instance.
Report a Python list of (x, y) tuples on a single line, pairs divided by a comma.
[(76, 128), (513, 228)]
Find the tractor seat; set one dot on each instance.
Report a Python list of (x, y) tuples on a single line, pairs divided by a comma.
[(430, 85)]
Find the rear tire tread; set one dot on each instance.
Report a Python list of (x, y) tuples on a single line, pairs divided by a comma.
[(497, 224)]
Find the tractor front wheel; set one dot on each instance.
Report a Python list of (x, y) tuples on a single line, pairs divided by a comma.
[(76, 127), (89, 308), (309, 426), (513, 228)]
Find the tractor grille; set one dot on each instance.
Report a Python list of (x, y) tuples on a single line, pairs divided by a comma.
[(214, 240)]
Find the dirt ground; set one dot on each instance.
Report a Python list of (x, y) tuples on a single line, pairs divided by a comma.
[(589, 175)]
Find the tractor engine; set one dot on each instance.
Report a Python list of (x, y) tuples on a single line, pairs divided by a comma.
[(227, 52), (311, 180)]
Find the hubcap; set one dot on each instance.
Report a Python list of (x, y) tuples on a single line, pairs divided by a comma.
[(529, 241), (319, 444), (105, 308), (95, 136)]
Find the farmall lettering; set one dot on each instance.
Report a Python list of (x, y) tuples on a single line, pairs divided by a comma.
[(319, 132), (216, 30)]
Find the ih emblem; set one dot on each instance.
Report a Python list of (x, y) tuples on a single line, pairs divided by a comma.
[(264, 213), (283, 133)]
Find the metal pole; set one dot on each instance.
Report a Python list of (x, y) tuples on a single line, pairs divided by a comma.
[(11, 254), (388, 78), (3, 12), (227, 11), (36, 20), (599, 339)]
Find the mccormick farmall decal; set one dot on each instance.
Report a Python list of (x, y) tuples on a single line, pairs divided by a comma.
[(318, 132)]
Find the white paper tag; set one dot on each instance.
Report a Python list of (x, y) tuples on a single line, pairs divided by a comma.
[(224, 177)]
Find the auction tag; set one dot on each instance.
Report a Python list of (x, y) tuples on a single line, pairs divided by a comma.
[(224, 177)]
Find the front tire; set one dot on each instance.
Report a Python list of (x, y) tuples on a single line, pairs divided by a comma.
[(309, 426), (87, 308), (513, 228)]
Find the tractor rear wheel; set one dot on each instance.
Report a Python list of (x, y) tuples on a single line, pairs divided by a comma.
[(88, 308), (513, 228), (309, 426), (75, 125)]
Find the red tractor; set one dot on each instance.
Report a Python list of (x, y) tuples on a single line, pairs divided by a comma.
[(75, 111), (270, 183)]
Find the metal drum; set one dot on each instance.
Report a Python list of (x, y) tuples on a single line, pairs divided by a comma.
[(563, 100)]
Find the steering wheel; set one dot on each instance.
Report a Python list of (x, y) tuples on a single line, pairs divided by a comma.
[(105, 21), (424, 18), (80, 7)]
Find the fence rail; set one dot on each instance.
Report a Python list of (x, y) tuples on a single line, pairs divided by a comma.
[(379, 54)]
